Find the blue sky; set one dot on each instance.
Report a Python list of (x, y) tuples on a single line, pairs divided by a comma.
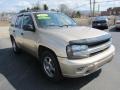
[(16, 5)]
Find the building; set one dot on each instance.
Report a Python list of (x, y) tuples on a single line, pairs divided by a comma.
[(111, 11)]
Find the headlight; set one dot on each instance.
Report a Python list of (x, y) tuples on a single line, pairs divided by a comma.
[(77, 51)]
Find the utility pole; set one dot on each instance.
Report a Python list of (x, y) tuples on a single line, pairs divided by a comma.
[(94, 2), (90, 8), (98, 8)]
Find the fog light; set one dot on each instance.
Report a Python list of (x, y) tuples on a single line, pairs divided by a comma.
[(80, 68), (90, 68)]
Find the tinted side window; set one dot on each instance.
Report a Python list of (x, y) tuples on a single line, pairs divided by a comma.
[(27, 20), (13, 21), (19, 21)]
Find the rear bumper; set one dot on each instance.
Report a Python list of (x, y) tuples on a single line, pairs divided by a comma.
[(83, 67), (100, 26), (105, 27)]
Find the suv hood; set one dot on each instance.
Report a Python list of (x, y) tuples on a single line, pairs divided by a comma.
[(78, 33)]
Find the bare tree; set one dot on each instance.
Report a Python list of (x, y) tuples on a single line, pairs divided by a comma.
[(65, 9), (78, 14), (36, 6)]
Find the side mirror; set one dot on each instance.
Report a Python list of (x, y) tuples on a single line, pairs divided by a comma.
[(28, 27)]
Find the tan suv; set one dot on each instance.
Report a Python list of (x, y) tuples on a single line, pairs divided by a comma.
[(62, 47)]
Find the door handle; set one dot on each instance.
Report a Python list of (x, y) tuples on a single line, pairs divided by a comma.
[(21, 33)]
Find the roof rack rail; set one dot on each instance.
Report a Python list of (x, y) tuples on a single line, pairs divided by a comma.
[(25, 11)]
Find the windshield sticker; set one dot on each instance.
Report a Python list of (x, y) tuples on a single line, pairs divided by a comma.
[(43, 16)]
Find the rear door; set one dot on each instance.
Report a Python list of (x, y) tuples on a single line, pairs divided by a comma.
[(18, 31), (12, 26)]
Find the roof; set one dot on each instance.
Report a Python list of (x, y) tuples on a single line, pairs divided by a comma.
[(38, 12)]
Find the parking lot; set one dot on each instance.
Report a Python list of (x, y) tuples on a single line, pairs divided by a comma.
[(22, 72)]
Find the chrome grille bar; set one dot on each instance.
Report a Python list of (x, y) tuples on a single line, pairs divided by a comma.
[(99, 48)]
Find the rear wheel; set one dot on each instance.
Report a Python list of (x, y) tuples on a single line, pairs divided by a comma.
[(15, 48), (50, 66)]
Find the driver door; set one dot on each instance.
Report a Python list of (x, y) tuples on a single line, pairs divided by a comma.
[(29, 36)]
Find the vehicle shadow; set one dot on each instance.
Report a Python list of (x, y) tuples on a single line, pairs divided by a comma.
[(114, 30), (23, 72)]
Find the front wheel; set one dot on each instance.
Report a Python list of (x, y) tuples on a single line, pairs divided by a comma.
[(50, 66)]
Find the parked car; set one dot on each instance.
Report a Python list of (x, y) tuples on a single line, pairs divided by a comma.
[(62, 48), (117, 22), (100, 22)]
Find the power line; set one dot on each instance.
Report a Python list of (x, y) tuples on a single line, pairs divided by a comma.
[(108, 1), (86, 4)]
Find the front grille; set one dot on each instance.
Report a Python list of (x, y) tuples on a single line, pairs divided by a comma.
[(95, 53), (94, 50)]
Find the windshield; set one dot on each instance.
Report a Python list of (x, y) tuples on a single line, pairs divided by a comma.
[(53, 20), (101, 18)]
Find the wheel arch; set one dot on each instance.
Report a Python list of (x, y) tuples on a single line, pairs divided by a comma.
[(12, 38), (43, 48)]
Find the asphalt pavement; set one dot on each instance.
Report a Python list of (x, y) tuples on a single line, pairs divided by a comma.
[(22, 72)]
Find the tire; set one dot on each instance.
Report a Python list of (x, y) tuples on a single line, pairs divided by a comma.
[(107, 27), (50, 66), (15, 48)]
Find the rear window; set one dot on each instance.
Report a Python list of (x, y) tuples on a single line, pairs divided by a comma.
[(101, 18), (18, 23), (13, 20)]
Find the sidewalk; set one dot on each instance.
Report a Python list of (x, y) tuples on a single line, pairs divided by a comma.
[(4, 33)]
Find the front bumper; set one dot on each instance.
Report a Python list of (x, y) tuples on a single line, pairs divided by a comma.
[(86, 66)]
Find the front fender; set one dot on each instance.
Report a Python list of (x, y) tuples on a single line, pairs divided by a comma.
[(54, 43)]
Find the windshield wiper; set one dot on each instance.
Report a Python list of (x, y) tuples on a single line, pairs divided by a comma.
[(52, 25), (61, 25), (64, 25)]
